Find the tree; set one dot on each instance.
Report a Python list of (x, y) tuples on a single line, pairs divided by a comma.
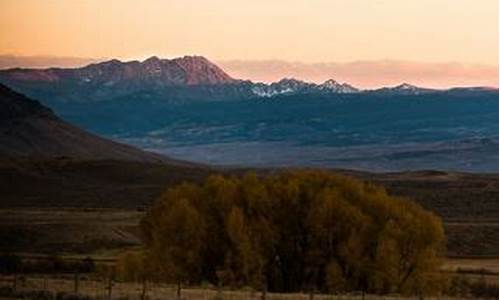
[(131, 266), (176, 238), (292, 231), (409, 250), (335, 280), (244, 259)]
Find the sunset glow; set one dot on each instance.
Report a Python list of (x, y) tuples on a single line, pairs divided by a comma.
[(317, 31)]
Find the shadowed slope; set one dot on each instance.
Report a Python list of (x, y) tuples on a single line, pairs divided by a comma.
[(29, 129)]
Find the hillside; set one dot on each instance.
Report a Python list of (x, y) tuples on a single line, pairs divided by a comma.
[(31, 130)]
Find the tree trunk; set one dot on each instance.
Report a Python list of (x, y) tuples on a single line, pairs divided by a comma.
[(311, 294), (179, 287), (263, 296), (219, 289), (14, 282)]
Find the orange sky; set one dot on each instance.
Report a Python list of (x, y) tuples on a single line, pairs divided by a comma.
[(431, 31)]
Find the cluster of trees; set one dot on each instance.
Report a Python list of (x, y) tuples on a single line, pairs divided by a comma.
[(294, 231)]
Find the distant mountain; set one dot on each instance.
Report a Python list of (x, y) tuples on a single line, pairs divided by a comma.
[(184, 77), (187, 70), (333, 86), (294, 86), (405, 89), (473, 89), (30, 130)]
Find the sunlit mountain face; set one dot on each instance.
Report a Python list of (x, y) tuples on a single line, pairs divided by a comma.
[(189, 108)]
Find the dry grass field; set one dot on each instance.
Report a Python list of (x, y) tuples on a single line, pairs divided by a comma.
[(98, 288)]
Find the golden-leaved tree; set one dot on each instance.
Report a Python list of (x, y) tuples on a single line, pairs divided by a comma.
[(176, 237), (293, 231)]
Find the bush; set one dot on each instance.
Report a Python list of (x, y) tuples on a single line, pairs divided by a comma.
[(39, 295), (56, 264), (6, 291), (10, 263), (71, 296)]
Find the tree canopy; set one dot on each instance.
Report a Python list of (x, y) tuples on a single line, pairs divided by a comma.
[(293, 231)]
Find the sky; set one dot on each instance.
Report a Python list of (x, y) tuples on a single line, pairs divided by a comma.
[(462, 32)]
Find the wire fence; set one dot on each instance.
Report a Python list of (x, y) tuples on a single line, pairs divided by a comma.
[(82, 287)]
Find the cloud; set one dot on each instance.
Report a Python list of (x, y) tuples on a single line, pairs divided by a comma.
[(13, 61)]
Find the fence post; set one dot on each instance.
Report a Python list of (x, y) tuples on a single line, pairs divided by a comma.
[(110, 287), (420, 296), (219, 290), (14, 282), (179, 288), (77, 282), (144, 287)]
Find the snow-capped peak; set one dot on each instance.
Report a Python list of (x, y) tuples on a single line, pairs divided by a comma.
[(295, 86), (406, 86), (405, 89), (336, 87), (330, 83)]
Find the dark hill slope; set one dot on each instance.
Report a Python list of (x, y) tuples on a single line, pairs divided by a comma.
[(31, 130)]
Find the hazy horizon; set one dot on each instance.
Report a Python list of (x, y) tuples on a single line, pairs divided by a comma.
[(362, 74)]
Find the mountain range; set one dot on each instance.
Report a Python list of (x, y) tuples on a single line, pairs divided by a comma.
[(184, 78)]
